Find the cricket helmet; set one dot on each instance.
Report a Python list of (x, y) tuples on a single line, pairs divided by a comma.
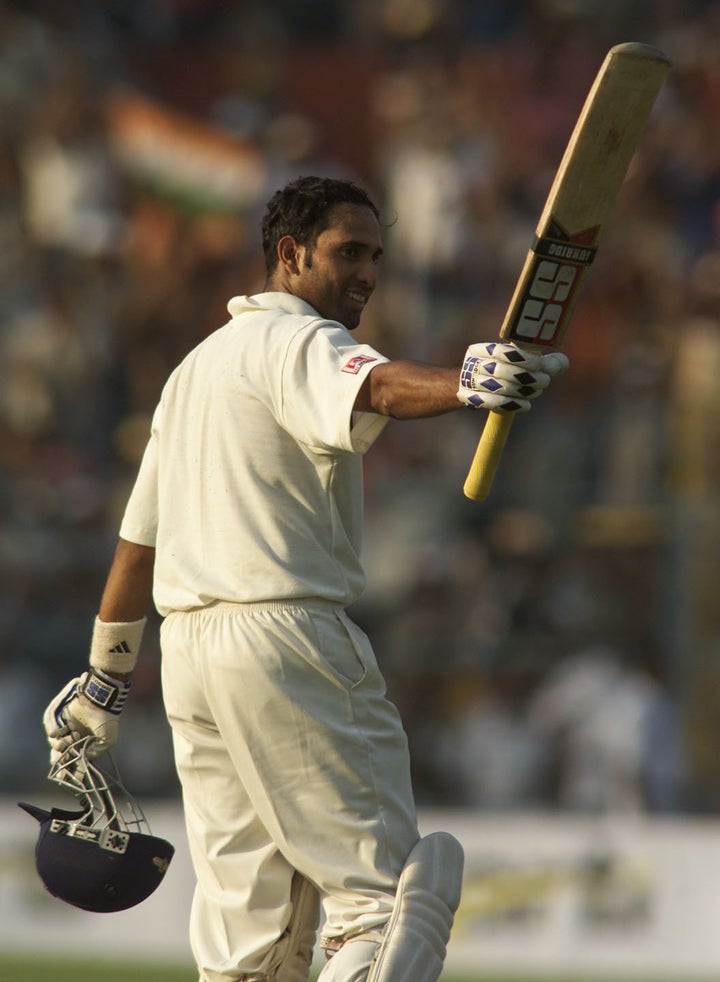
[(100, 857)]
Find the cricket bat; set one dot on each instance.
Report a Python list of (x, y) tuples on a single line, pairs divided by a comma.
[(577, 209)]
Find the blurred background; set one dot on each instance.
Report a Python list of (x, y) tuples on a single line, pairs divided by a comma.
[(554, 648)]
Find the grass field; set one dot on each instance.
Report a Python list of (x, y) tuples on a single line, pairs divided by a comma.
[(64, 970), (60, 969)]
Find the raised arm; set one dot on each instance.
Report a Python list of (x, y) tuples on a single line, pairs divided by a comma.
[(493, 376), (409, 390)]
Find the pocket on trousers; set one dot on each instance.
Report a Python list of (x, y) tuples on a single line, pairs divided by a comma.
[(341, 646)]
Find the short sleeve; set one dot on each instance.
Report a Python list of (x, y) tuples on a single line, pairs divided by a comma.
[(322, 374), (140, 521)]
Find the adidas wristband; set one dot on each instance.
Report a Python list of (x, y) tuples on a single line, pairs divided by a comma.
[(115, 646)]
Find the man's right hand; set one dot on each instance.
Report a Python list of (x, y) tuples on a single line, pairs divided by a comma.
[(505, 378)]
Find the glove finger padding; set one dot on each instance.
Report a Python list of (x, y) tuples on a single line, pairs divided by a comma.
[(555, 363), (504, 378), (57, 723)]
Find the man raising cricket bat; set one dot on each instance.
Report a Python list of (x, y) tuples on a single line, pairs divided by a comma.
[(244, 528), (244, 524)]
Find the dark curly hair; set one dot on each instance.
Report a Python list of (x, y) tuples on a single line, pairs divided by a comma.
[(302, 209)]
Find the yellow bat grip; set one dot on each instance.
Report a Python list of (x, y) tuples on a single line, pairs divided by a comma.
[(490, 446)]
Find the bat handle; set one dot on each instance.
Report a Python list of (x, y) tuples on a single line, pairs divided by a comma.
[(487, 455)]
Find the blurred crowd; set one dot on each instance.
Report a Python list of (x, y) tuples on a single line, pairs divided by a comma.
[(553, 647)]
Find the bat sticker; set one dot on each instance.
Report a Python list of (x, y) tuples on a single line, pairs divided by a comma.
[(559, 261)]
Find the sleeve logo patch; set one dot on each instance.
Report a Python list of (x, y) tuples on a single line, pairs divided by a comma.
[(356, 363)]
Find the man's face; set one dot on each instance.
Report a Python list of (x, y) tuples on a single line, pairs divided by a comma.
[(338, 276)]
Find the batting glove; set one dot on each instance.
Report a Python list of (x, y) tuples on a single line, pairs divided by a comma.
[(88, 706), (504, 378)]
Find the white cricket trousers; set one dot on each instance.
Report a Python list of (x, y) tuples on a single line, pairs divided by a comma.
[(290, 758)]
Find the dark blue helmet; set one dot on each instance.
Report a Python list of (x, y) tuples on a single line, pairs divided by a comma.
[(101, 857)]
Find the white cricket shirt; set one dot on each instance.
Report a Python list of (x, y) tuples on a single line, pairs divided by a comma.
[(250, 488)]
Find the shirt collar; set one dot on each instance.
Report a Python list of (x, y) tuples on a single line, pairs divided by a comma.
[(271, 301)]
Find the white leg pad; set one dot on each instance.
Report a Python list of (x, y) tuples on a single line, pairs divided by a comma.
[(418, 931)]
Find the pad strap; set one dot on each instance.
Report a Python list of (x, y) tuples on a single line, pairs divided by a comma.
[(104, 691), (115, 646)]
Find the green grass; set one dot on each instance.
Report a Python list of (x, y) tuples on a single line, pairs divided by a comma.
[(61, 969)]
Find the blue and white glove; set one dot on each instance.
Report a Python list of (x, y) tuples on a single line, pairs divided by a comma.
[(506, 379), (89, 705)]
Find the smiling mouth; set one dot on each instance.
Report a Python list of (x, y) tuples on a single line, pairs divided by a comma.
[(360, 298)]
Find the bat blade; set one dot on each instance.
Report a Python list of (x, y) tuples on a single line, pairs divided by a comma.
[(577, 209)]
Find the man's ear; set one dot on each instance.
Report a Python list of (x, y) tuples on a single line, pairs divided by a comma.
[(289, 254)]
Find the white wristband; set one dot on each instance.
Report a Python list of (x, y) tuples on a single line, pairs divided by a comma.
[(115, 646)]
